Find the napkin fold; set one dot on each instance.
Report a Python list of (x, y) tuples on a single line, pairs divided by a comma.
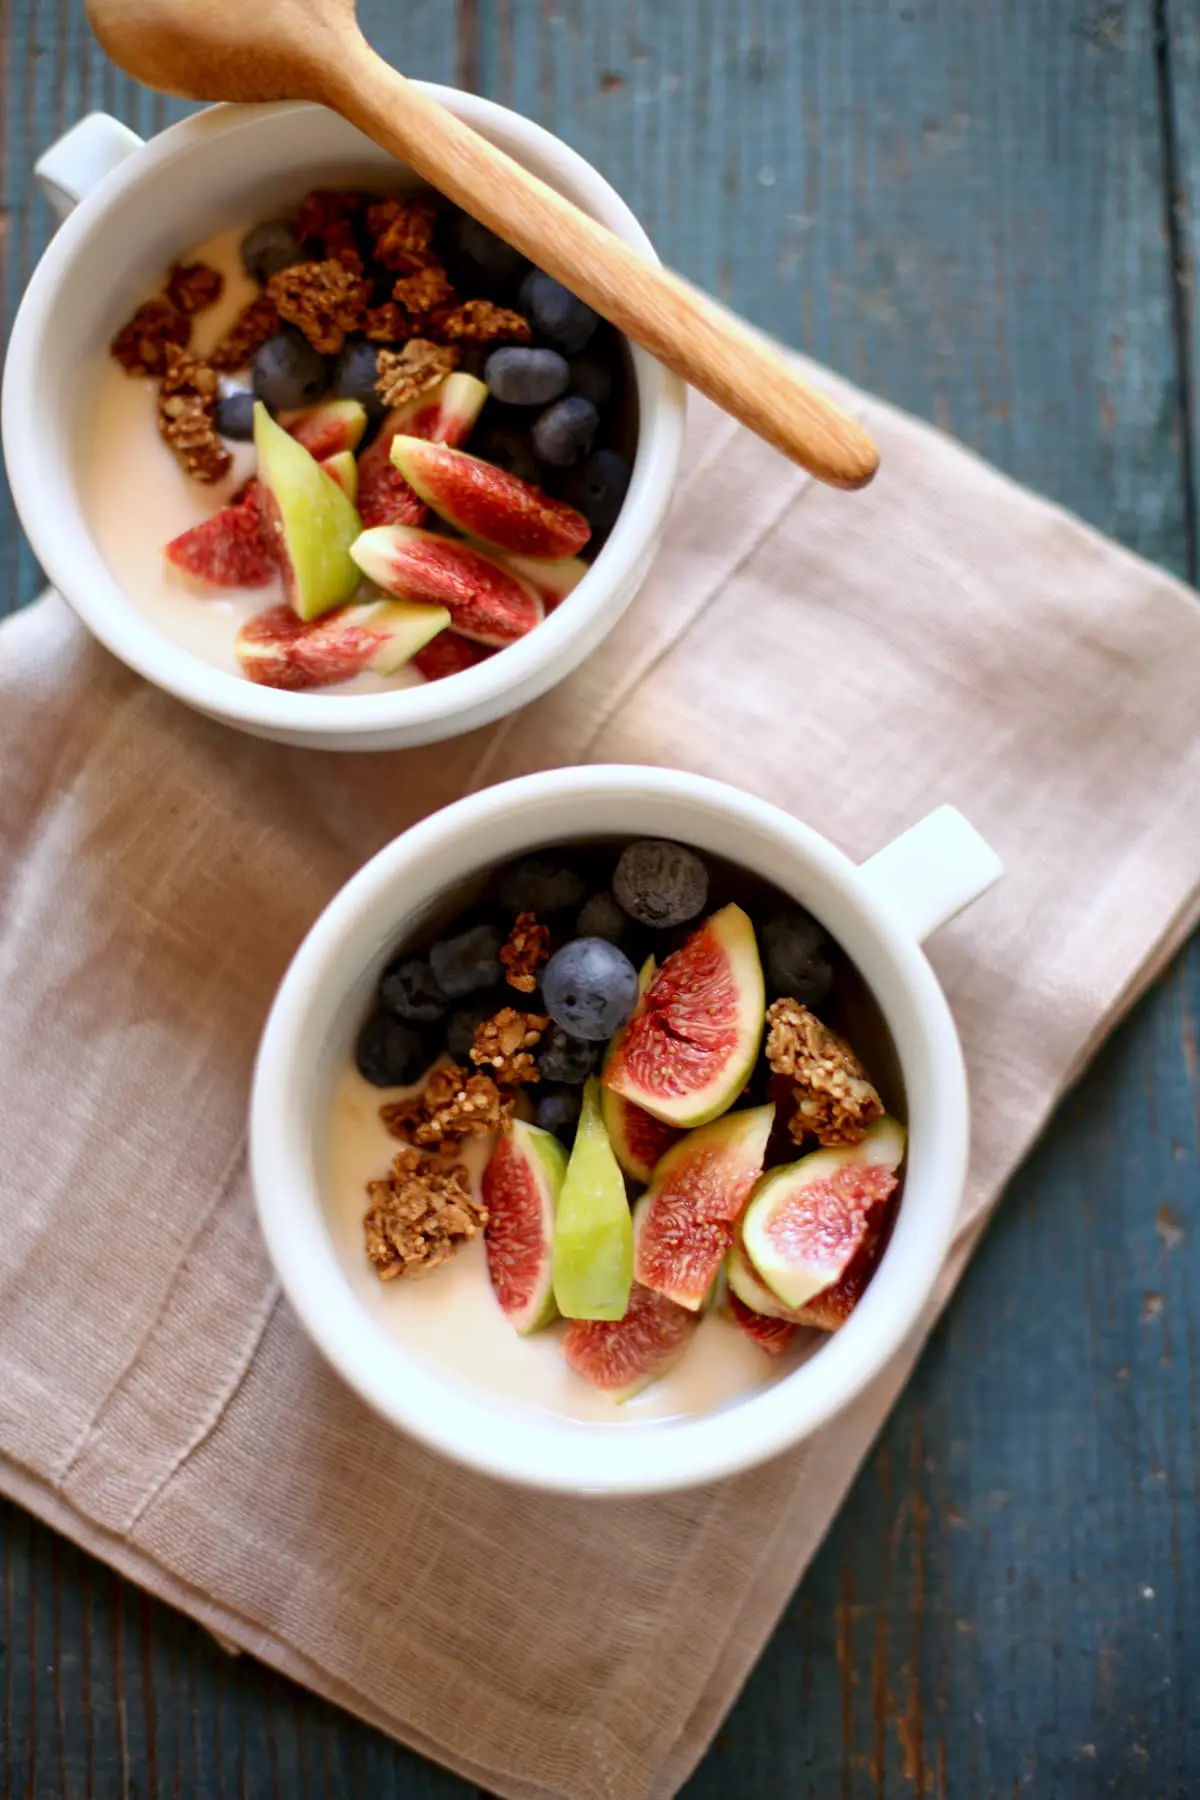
[(943, 636)]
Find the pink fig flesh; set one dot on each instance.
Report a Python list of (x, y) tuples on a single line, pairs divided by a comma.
[(486, 602), (488, 503), (446, 415)]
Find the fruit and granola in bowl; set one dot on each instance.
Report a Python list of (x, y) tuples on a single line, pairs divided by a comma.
[(623, 1112), (404, 442)]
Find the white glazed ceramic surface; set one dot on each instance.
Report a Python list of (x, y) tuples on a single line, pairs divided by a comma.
[(139, 207), (879, 912)]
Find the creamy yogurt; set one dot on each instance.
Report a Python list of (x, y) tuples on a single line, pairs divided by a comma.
[(137, 498), (451, 1318)]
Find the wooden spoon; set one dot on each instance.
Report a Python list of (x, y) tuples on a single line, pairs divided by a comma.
[(313, 50)]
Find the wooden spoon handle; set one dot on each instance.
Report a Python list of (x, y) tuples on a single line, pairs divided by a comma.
[(710, 348)]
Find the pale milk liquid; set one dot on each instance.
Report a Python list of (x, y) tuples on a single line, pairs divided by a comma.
[(452, 1321), (137, 497)]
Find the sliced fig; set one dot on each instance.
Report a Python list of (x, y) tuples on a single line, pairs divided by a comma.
[(828, 1311), (342, 468), (486, 502), (638, 1140), (228, 550), (593, 1232), (771, 1335), (806, 1222), (486, 601), (309, 522), (330, 428), (521, 1185), (444, 415), (449, 654), (624, 1355), (276, 649), (551, 581), (743, 1279), (693, 1042), (683, 1224)]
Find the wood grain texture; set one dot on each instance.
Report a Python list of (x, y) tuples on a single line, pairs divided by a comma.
[(967, 208)]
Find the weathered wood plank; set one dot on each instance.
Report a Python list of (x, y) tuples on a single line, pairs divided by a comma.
[(1179, 73), (964, 208)]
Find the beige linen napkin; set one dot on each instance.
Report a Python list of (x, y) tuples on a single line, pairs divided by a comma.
[(944, 636)]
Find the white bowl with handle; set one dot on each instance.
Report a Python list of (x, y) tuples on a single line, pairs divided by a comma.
[(880, 912), (130, 209)]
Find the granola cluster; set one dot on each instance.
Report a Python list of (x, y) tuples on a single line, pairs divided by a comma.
[(193, 286), (451, 1106), (505, 1043), (403, 374), (187, 406), (401, 232), (834, 1100), (527, 948), (328, 222), (249, 331), (322, 299), (156, 330), (479, 321), (421, 1213), (423, 290)]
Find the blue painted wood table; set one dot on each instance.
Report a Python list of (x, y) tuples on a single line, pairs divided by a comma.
[(986, 212)]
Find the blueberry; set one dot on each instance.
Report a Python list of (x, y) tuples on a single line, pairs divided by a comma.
[(557, 317), (390, 1054), (510, 449), (597, 487), (590, 988), (354, 376), (564, 432), (558, 1111), (407, 988), (469, 962), (659, 883), (602, 917), (521, 377), (797, 957), (461, 1028), (288, 372), (566, 1058), (269, 247), (489, 254), (235, 415), (591, 378), (543, 885)]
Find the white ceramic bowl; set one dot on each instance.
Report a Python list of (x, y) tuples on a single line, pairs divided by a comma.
[(138, 207), (879, 911)]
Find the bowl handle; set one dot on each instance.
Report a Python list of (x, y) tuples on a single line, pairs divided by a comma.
[(931, 871), (80, 159)]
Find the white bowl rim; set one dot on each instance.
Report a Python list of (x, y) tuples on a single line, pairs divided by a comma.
[(653, 1456), (74, 564)]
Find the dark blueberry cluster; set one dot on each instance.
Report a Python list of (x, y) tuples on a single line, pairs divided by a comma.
[(607, 910)]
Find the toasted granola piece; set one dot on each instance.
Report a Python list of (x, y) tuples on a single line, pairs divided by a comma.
[(835, 1102), (328, 221), (144, 345), (424, 289), (322, 299), (390, 324), (479, 321), (506, 1043), (527, 948), (402, 231), (248, 333), (451, 1106), (193, 286), (403, 374), (187, 405), (421, 1213)]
